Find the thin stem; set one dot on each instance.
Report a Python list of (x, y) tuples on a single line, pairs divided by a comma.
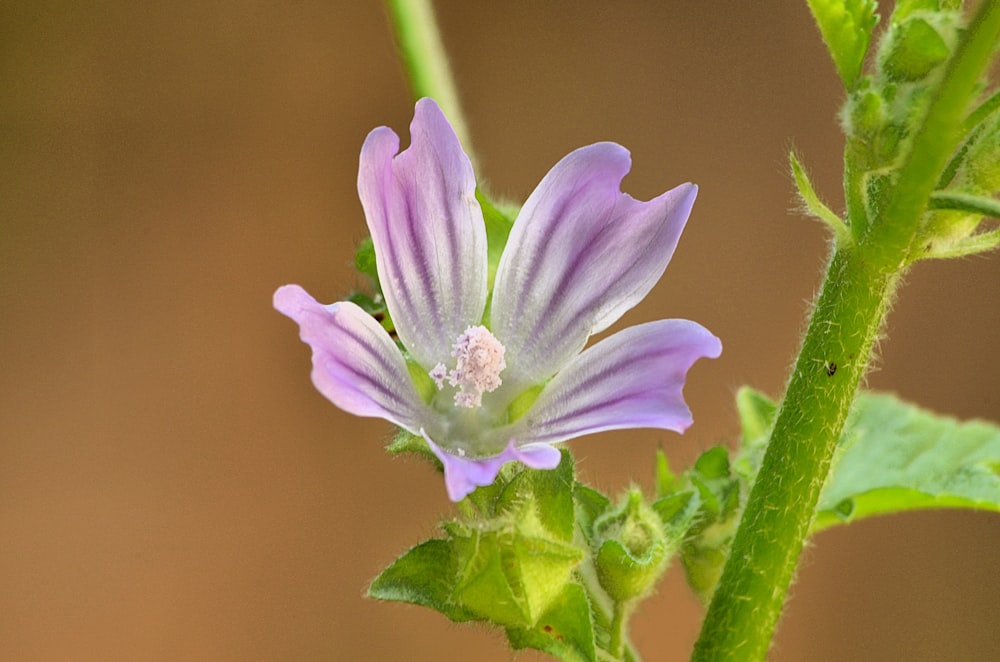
[(836, 350), (618, 624), (426, 62)]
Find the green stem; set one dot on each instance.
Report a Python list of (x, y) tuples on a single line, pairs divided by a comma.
[(780, 509), (426, 62), (618, 624), (836, 350)]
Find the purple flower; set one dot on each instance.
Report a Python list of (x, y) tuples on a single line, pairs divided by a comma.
[(491, 379)]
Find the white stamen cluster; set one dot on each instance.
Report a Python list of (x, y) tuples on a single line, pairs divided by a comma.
[(479, 362)]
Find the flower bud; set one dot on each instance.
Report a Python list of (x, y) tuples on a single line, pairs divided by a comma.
[(914, 47), (632, 549)]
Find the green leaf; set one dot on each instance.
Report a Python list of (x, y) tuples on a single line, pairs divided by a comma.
[(407, 442), (498, 227), (815, 206), (665, 479), (422, 576), (896, 457), (364, 260), (713, 463), (846, 26), (590, 505), (756, 412), (678, 512), (564, 631), (708, 540)]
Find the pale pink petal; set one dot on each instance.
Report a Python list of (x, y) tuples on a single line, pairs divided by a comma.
[(580, 254), (428, 231), (633, 379), (356, 365)]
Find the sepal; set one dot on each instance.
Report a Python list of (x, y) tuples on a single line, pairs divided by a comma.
[(508, 562), (565, 631)]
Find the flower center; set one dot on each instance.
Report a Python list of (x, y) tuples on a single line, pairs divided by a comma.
[(478, 364)]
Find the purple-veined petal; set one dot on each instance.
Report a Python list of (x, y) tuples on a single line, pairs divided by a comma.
[(462, 475), (633, 379), (428, 231), (580, 254), (356, 365)]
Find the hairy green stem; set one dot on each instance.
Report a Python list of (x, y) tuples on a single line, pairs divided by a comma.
[(426, 62), (836, 350), (782, 503)]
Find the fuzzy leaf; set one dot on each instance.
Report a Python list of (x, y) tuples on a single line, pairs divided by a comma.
[(422, 576), (710, 536), (846, 26), (897, 457), (564, 631), (590, 505)]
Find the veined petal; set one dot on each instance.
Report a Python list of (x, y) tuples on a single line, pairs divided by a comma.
[(462, 475), (580, 254), (356, 365), (428, 231), (633, 379)]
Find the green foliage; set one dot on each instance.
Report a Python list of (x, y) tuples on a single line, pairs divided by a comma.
[(558, 565), (498, 225), (373, 304), (905, 121), (912, 49), (422, 576), (632, 550), (896, 457), (893, 457), (707, 543), (846, 26), (564, 631), (509, 563), (364, 260)]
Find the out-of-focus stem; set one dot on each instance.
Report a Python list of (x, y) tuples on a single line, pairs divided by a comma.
[(426, 62)]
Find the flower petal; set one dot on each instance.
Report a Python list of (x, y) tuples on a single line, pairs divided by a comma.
[(580, 254), (356, 365), (462, 475), (633, 379), (428, 231)]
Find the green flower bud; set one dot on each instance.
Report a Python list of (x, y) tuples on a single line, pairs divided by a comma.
[(632, 549), (916, 46)]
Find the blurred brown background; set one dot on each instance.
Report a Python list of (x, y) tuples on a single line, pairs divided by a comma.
[(171, 486)]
